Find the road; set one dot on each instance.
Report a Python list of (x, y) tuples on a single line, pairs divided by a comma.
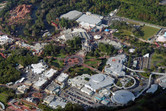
[(141, 71), (140, 22), (149, 81)]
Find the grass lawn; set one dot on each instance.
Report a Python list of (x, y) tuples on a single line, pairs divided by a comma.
[(146, 75), (58, 63), (125, 33), (3, 98), (61, 56), (157, 59), (90, 57), (79, 70), (135, 23), (93, 64), (148, 32), (119, 83)]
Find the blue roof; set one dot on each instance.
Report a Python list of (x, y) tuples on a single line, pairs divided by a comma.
[(165, 34), (107, 30)]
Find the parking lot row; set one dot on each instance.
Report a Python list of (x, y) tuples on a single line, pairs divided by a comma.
[(75, 100)]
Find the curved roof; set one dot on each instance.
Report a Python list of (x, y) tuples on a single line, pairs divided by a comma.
[(98, 78), (122, 96), (99, 81)]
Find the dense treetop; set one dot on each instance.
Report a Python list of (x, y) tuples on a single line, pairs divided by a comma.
[(144, 10)]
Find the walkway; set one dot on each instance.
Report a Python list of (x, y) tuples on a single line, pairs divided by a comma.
[(141, 22), (149, 82), (91, 68), (2, 105), (141, 71), (150, 78)]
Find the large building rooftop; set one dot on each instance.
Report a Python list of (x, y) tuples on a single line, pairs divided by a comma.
[(72, 15), (40, 83), (39, 67), (57, 102), (99, 81), (115, 65), (79, 81), (5, 39), (62, 78), (49, 73), (122, 97), (89, 19)]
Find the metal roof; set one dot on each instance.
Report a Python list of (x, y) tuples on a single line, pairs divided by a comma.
[(122, 96), (72, 15), (98, 81), (89, 19)]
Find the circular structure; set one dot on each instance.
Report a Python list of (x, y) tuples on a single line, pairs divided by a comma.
[(122, 97), (98, 78), (97, 37), (125, 82)]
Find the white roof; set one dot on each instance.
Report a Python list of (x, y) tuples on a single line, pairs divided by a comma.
[(161, 38), (146, 55), (99, 81), (122, 96), (115, 65), (72, 15), (131, 50), (97, 36), (49, 98), (78, 30), (49, 73), (4, 37), (38, 46), (87, 91), (57, 102), (40, 82), (89, 19), (62, 77), (38, 68), (152, 89), (23, 87), (79, 81)]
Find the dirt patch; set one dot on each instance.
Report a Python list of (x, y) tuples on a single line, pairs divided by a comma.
[(19, 15)]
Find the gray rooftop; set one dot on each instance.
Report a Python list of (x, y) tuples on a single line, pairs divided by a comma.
[(89, 19), (152, 89), (115, 65), (72, 15), (99, 81), (122, 96)]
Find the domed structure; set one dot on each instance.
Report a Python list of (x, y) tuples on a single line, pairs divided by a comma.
[(98, 78), (99, 81), (122, 97)]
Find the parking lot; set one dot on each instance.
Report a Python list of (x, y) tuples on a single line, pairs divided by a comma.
[(76, 96)]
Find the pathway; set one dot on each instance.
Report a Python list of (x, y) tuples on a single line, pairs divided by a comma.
[(2, 105), (150, 78), (91, 68)]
